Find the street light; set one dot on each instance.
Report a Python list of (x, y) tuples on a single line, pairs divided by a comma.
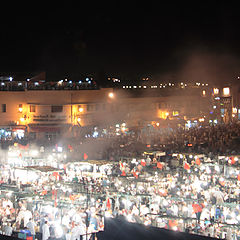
[(111, 95)]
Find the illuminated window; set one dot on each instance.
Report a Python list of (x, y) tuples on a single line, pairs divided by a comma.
[(216, 91), (20, 108), (80, 108), (226, 91), (32, 108), (175, 113), (234, 110)]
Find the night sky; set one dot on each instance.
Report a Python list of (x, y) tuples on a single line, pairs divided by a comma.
[(171, 41)]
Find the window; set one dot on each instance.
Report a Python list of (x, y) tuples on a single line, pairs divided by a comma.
[(4, 107), (20, 108), (32, 108), (57, 108), (90, 108), (97, 107), (80, 108)]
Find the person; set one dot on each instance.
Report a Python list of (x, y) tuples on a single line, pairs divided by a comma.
[(45, 231), (31, 226), (94, 221), (8, 230), (75, 232), (229, 234)]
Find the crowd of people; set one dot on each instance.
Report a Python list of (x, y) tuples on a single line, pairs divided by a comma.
[(191, 184), (210, 139), (197, 197)]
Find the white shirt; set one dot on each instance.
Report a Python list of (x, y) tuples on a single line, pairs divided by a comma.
[(8, 231), (45, 232), (30, 225), (27, 216)]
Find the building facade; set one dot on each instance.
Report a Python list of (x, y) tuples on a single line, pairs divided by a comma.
[(42, 114)]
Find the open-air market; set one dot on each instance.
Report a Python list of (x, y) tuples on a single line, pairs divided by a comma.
[(119, 121), (46, 193)]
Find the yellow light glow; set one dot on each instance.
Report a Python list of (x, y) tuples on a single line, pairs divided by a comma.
[(80, 109), (163, 114), (204, 93), (20, 109), (111, 95), (123, 129), (226, 91), (79, 119), (234, 110), (157, 124), (175, 113), (22, 119), (216, 91)]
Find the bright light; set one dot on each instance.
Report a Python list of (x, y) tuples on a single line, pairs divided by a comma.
[(20, 133), (79, 119), (60, 149), (107, 214), (204, 93), (10, 79), (95, 134), (123, 129), (111, 95), (34, 153), (20, 109), (234, 110), (50, 158), (175, 228), (226, 91), (22, 119), (80, 109), (216, 91)]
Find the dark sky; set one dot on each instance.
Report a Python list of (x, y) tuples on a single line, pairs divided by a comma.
[(171, 40)]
